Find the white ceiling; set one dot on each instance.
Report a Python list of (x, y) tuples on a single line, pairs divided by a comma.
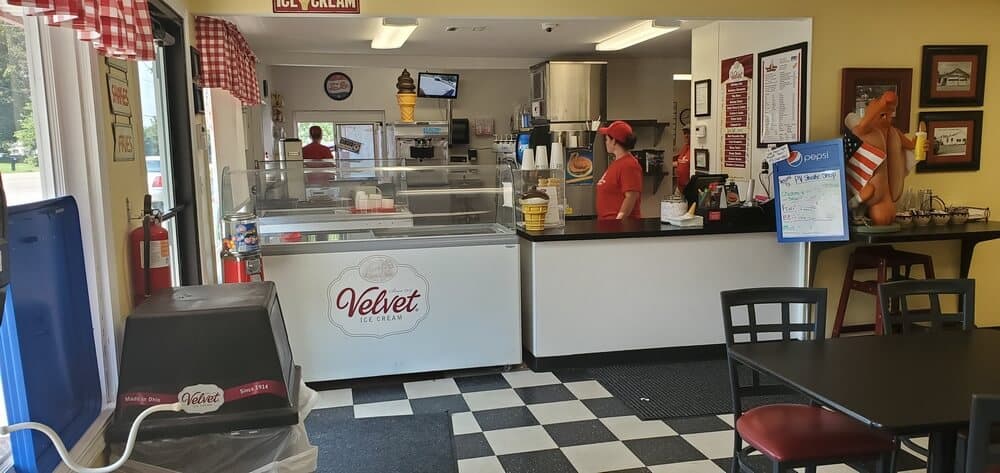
[(289, 40)]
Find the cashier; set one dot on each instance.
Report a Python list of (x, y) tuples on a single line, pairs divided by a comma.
[(619, 189), (316, 150), (682, 162)]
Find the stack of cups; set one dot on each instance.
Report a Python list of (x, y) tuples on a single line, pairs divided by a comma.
[(558, 156), (528, 160), (541, 157)]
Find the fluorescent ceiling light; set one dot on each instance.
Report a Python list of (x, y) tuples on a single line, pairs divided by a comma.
[(393, 33), (682, 76), (642, 32)]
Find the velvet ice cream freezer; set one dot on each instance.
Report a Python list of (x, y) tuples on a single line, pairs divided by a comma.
[(222, 351)]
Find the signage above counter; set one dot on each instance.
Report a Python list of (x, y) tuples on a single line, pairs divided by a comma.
[(352, 7)]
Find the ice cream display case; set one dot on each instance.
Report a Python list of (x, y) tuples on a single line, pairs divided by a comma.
[(373, 266)]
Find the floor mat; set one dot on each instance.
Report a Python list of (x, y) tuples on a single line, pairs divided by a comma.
[(681, 389), (405, 444)]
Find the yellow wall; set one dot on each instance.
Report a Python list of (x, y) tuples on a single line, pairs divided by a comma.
[(128, 182), (847, 33)]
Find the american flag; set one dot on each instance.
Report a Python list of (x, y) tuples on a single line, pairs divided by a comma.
[(862, 161)]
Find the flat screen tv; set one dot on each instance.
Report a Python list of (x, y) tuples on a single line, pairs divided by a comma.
[(434, 85)]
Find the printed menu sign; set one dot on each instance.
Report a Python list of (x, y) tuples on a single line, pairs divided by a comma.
[(317, 6), (782, 95), (737, 81), (735, 146)]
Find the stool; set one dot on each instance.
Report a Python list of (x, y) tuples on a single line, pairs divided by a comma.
[(882, 259)]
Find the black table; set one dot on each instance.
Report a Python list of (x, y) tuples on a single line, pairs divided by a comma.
[(904, 384), (970, 234)]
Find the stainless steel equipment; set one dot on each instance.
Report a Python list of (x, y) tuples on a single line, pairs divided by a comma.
[(566, 97), (423, 143)]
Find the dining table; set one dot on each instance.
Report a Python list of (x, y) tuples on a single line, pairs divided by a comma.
[(906, 385)]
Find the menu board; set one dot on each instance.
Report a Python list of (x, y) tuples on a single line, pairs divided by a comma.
[(737, 79), (811, 193), (782, 95)]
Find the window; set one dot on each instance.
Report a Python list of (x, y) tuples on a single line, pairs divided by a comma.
[(20, 164), (328, 135), (24, 166)]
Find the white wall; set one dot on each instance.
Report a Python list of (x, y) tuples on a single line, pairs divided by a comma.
[(482, 94), (711, 44)]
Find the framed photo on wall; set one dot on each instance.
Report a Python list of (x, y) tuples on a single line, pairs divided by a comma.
[(781, 95), (701, 159), (953, 76), (703, 98), (954, 139), (862, 85)]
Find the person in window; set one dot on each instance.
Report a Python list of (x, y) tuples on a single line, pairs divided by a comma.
[(682, 162), (314, 151), (619, 189)]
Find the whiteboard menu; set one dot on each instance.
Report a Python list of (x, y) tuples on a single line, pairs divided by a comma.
[(811, 193)]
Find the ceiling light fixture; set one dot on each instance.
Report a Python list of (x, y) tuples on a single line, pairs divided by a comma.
[(682, 76), (634, 35), (393, 33)]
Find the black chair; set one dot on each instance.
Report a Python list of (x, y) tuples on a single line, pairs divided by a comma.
[(792, 435), (900, 318), (982, 457), (906, 320)]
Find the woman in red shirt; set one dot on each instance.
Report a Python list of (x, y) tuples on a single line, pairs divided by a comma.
[(619, 189)]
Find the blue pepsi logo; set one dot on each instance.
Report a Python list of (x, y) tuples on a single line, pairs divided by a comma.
[(795, 159)]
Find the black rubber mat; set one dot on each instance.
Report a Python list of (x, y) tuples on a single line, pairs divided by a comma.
[(680, 389), (404, 444)]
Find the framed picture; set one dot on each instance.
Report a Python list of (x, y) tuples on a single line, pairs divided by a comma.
[(954, 140), (862, 85), (953, 76), (703, 98), (195, 66), (701, 159), (781, 92)]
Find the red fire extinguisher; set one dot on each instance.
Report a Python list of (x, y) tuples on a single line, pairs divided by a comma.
[(149, 243)]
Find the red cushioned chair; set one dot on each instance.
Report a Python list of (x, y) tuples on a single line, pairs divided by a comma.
[(982, 455), (792, 435)]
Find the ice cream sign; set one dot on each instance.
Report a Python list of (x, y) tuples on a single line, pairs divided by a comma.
[(317, 6), (378, 298)]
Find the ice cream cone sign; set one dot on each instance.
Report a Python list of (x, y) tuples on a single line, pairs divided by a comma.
[(406, 96)]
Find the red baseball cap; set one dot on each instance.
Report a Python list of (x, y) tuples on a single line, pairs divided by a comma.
[(618, 130)]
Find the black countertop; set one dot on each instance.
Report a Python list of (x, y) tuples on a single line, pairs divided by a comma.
[(641, 228)]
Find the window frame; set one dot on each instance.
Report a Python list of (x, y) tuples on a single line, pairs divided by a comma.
[(65, 74)]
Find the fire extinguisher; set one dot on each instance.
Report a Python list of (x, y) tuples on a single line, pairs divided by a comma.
[(149, 243)]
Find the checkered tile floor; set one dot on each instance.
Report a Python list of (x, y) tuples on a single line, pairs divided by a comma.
[(522, 421)]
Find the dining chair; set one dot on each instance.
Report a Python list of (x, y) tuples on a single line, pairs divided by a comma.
[(906, 320), (982, 456), (791, 435), (903, 319)]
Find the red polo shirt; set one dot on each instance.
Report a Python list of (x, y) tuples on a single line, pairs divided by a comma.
[(623, 175), (316, 151)]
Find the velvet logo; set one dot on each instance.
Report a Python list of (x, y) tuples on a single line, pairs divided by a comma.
[(201, 398), (378, 298)]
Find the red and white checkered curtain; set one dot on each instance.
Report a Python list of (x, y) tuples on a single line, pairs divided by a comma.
[(117, 28), (227, 62)]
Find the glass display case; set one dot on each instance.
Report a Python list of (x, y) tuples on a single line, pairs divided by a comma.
[(300, 203)]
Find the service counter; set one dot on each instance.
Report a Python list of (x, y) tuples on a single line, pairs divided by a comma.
[(599, 287)]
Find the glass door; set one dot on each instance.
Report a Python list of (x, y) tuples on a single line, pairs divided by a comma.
[(156, 147)]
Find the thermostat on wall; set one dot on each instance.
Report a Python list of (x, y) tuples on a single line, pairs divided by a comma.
[(700, 131)]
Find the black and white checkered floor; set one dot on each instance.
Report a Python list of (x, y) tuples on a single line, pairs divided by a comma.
[(522, 421)]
